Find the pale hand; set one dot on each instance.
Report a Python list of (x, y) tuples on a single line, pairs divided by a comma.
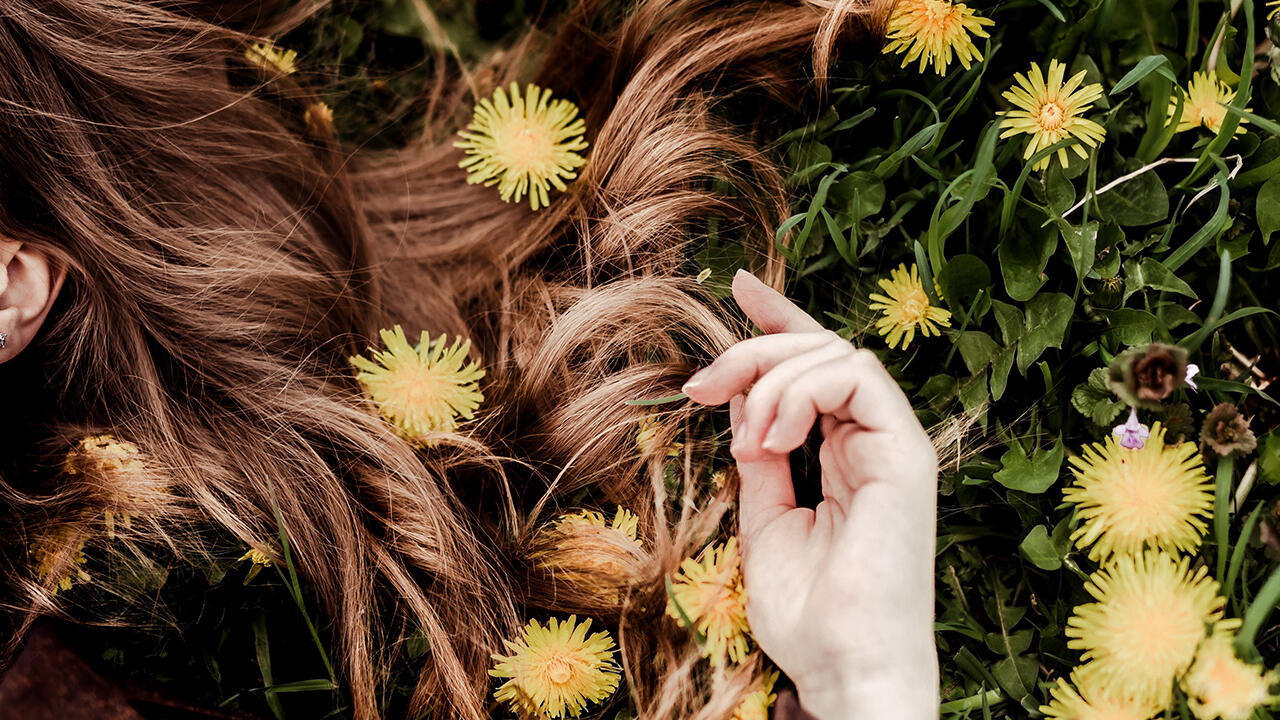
[(839, 597)]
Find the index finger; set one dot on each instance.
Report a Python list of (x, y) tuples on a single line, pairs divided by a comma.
[(770, 310)]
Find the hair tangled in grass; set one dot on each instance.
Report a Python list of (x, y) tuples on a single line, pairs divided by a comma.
[(223, 263)]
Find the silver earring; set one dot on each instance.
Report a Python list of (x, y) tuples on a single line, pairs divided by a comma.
[(4, 340)]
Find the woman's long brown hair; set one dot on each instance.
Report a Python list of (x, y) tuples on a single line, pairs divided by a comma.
[(223, 264)]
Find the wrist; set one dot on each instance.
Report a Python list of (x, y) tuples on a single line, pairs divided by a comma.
[(904, 690)]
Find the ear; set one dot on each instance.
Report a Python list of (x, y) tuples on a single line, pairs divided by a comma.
[(29, 285)]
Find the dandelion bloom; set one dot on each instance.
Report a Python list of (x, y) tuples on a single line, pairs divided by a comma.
[(1050, 110), (1084, 698), (624, 521), (647, 437), (709, 594), (118, 463), (59, 554), (755, 705), (931, 30), (523, 144), (906, 308), (421, 390), (259, 559), (1203, 105), (584, 553), (1149, 618), (269, 58), (1158, 496), (1221, 685), (557, 670)]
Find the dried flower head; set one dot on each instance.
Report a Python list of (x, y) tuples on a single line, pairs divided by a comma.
[(421, 390), (1225, 432), (1158, 496), (557, 669), (1146, 376), (319, 120), (523, 143), (708, 593), (1151, 613)]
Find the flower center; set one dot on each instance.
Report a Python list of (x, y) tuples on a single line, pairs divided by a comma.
[(1051, 115), (523, 146), (559, 669), (914, 306)]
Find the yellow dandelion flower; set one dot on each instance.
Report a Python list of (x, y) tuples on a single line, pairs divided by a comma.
[(906, 308), (589, 559), (119, 463), (523, 144), (709, 593), (1158, 496), (755, 705), (557, 670), (1084, 698), (268, 58), (259, 559), (319, 120), (1050, 110), (1203, 105), (60, 553), (1221, 685), (421, 390), (931, 30), (1151, 613), (624, 521), (647, 436)]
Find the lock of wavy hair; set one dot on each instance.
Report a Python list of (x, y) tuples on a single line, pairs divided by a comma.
[(222, 265)]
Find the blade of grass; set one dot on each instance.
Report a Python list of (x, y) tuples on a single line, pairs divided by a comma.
[(295, 587), (1221, 519)]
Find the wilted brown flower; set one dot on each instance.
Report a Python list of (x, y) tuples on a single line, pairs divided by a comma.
[(1226, 432), (1145, 376)]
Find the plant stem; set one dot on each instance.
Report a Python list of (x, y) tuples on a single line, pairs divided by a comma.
[(973, 702)]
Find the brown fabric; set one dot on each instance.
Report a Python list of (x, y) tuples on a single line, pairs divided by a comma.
[(49, 682)]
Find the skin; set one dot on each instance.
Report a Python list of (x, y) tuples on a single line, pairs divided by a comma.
[(29, 284), (840, 597)]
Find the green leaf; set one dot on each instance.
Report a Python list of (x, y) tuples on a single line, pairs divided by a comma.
[(1206, 233), (1039, 549), (1129, 326), (1016, 676), (977, 349), (962, 277), (1095, 400), (908, 149), (1047, 318), (1152, 274), (1140, 201), (1268, 208), (1009, 318), (1030, 474), (1269, 458), (1000, 368), (861, 193), (1082, 243), (1022, 262), (1145, 66), (1059, 191)]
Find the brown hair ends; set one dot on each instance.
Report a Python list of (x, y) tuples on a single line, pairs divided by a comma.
[(222, 266)]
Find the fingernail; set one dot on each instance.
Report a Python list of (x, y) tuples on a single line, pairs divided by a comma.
[(694, 382)]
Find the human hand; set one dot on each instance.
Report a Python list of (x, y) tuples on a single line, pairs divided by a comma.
[(840, 597)]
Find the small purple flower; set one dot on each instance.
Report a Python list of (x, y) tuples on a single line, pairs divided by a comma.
[(1132, 434), (1192, 371)]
